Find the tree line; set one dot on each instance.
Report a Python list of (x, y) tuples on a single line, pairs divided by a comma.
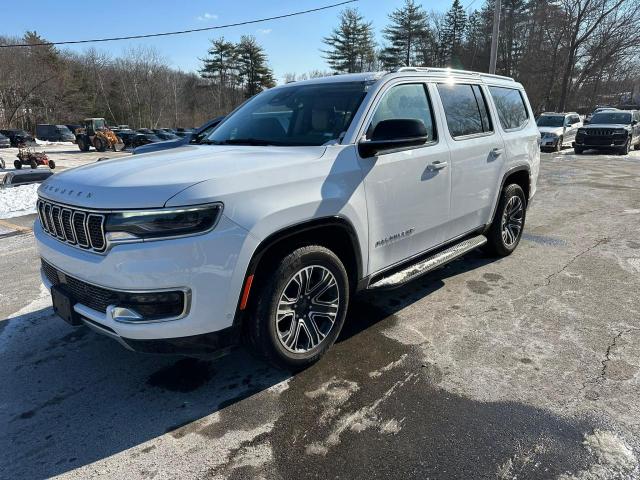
[(44, 84), (569, 54)]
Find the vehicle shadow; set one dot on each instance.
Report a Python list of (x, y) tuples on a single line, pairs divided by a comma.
[(71, 397)]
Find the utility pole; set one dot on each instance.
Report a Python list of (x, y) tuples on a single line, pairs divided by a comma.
[(494, 37)]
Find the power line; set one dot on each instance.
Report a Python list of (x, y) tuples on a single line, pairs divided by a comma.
[(181, 32)]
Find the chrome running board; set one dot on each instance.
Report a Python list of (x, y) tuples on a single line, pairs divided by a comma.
[(428, 264)]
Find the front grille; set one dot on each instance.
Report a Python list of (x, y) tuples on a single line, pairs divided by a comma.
[(600, 132), (89, 295), (73, 226)]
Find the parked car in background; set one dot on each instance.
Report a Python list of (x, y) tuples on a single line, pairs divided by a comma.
[(4, 141), (190, 137), (589, 116), (610, 129), (54, 133), (181, 132), (271, 225), (557, 129), (25, 177), (17, 136), (73, 127), (164, 135)]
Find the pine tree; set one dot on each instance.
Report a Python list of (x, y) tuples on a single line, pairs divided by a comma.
[(253, 69), (455, 23), (409, 27), (221, 63), (351, 44)]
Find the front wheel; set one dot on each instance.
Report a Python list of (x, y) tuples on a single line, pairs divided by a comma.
[(52, 164), (559, 144), (626, 149), (301, 308), (17, 164), (508, 223), (578, 150)]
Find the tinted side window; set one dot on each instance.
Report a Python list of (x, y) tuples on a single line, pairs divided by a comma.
[(575, 119), (465, 108), (511, 108), (407, 101)]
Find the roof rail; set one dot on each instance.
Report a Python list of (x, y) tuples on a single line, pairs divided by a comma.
[(451, 70)]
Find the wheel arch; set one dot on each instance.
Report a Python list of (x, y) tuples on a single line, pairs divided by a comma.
[(335, 233), (520, 175)]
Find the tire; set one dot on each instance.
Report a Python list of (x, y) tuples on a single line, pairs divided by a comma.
[(82, 145), (578, 150), (500, 244), (268, 334), (637, 146), (100, 144), (2, 164), (52, 164), (33, 164), (626, 149), (17, 164), (559, 144)]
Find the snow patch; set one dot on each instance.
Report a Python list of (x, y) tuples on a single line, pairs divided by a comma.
[(386, 368), (18, 201), (615, 459), (281, 387), (47, 142)]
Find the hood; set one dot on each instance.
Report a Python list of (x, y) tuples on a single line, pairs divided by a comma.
[(150, 180), (156, 147), (556, 130)]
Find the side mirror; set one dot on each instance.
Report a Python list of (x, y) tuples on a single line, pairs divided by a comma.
[(392, 135)]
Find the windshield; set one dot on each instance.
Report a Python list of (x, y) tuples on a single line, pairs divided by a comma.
[(611, 117), (296, 115), (551, 121)]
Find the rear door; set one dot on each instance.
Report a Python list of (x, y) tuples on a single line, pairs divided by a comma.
[(408, 190), (477, 155)]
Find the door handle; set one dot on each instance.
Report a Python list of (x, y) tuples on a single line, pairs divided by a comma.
[(496, 152), (437, 165)]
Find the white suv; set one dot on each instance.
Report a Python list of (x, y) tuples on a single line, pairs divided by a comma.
[(305, 195)]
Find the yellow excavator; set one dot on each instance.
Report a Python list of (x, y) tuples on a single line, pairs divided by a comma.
[(95, 133)]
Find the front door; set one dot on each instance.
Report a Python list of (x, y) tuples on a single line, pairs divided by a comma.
[(407, 191)]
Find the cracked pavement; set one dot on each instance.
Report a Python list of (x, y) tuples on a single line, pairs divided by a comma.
[(523, 367)]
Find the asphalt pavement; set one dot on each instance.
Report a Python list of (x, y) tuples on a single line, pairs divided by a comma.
[(523, 367)]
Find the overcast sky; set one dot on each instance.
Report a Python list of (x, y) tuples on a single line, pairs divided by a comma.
[(293, 44)]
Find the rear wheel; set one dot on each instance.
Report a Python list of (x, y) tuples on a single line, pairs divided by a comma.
[(508, 223), (578, 150), (17, 164), (301, 308), (33, 164)]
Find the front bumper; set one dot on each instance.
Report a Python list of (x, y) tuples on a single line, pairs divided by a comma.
[(549, 142), (598, 142), (210, 266)]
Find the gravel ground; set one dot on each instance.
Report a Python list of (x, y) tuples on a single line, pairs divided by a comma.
[(524, 367)]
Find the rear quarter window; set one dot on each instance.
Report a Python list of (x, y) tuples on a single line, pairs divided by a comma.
[(512, 111)]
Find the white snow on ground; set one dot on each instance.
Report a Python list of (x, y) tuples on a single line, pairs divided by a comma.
[(46, 142), (17, 201)]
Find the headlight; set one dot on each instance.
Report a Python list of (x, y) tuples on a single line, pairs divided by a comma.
[(620, 131), (161, 223)]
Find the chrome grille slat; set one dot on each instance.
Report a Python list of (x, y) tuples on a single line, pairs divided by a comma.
[(74, 226)]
